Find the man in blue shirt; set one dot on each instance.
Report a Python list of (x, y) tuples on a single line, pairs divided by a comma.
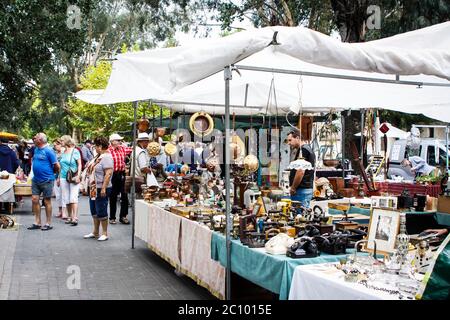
[(45, 165)]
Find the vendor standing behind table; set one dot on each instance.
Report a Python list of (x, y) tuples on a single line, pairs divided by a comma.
[(418, 166), (142, 164), (301, 181), (8, 158)]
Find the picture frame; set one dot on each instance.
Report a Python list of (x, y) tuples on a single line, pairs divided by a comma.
[(384, 227), (385, 202)]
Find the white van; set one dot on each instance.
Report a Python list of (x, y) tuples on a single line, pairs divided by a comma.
[(431, 150)]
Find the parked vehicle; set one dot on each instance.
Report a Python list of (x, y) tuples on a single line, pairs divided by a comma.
[(433, 151)]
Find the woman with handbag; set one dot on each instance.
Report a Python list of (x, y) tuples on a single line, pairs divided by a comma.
[(69, 179), (99, 172)]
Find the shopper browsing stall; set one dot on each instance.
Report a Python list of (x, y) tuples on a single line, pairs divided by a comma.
[(70, 178), (142, 164), (45, 165), (302, 172), (99, 171), (118, 152)]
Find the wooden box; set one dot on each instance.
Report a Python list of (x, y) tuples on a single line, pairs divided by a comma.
[(344, 225), (337, 183), (443, 204)]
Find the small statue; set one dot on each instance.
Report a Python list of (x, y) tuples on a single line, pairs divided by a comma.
[(423, 256)]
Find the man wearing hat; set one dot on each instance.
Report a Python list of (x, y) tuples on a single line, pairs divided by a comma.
[(118, 153), (142, 164)]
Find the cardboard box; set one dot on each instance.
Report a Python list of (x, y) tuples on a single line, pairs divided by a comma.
[(443, 204)]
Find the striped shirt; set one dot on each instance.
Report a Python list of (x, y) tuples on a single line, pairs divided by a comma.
[(118, 154)]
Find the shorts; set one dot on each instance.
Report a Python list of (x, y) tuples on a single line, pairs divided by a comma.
[(99, 206), (45, 188), (69, 192)]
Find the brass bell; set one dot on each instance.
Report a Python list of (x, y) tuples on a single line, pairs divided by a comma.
[(143, 125), (153, 149), (251, 163)]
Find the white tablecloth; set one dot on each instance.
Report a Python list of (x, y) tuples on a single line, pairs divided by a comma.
[(7, 189), (183, 243), (322, 282), (141, 225)]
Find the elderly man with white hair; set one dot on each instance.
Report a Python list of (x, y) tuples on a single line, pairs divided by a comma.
[(45, 166)]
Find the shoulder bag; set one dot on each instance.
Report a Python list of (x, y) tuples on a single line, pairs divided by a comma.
[(71, 175)]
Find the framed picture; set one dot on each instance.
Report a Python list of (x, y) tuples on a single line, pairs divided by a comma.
[(383, 228), (384, 202)]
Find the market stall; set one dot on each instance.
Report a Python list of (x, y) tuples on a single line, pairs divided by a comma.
[(279, 53), (185, 244)]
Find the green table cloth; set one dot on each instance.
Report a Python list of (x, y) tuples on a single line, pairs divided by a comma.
[(272, 272)]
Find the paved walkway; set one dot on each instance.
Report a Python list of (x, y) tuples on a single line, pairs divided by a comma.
[(37, 264)]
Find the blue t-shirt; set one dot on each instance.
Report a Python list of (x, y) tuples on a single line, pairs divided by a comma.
[(43, 161), (66, 163)]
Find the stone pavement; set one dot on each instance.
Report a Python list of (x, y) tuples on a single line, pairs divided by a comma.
[(37, 264)]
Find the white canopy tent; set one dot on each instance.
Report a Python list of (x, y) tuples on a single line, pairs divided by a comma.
[(149, 75)]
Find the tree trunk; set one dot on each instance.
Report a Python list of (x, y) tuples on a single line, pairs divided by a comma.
[(350, 18)]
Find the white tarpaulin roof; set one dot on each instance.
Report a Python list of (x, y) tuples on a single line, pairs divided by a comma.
[(165, 74)]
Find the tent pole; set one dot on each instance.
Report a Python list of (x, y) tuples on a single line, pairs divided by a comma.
[(133, 164), (229, 219), (361, 141), (343, 143), (446, 149)]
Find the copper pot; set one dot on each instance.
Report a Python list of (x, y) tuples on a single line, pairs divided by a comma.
[(331, 162), (143, 125)]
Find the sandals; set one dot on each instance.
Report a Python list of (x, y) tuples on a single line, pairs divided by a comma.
[(34, 227), (46, 227), (124, 221), (68, 221), (74, 223), (112, 221)]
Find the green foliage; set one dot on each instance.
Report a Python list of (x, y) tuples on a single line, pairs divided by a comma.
[(95, 120)]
